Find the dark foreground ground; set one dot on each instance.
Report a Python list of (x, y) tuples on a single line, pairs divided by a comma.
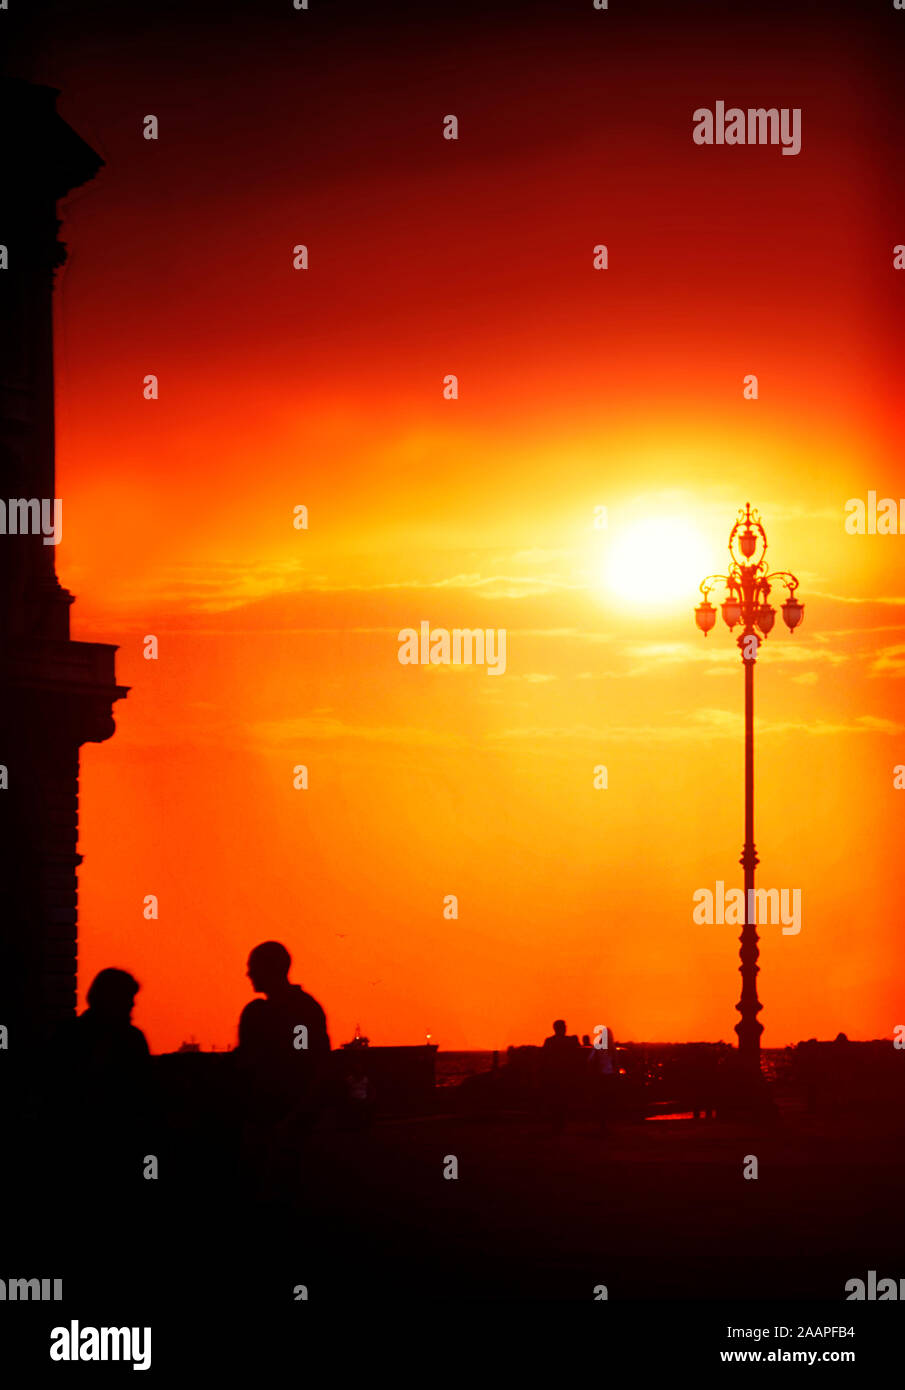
[(657, 1210), (659, 1213)]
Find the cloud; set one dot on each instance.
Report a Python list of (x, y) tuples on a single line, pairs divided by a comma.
[(216, 588), (220, 587), (705, 725), (651, 655), (577, 634), (889, 600), (319, 728), (537, 556), (889, 661), (874, 724)]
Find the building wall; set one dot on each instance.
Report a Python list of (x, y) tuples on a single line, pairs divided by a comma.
[(55, 694)]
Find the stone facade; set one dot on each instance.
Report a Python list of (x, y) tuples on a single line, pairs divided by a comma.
[(55, 694)]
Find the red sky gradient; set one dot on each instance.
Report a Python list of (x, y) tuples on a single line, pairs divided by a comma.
[(577, 389)]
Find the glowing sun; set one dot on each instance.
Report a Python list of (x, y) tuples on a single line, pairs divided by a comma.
[(655, 561)]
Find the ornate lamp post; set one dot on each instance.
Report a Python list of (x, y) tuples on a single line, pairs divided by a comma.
[(748, 587)]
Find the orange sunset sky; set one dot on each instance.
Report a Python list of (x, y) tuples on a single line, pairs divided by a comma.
[(578, 389)]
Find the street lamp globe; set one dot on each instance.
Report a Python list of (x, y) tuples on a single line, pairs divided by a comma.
[(705, 616), (792, 612), (732, 612), (766, 617)]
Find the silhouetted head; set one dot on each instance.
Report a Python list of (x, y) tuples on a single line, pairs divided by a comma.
[(112, 995), (559, 1027), (268, 967)]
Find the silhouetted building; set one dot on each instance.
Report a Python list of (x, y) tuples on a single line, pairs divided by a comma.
[(55, 694)]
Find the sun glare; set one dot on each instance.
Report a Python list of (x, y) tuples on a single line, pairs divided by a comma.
[(656, 561)]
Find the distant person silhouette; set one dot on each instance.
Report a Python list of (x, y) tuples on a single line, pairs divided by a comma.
[(356, 1110), (843, 1070), (284, 1047), (559, 1076), (602, 1070), (560, 1041)]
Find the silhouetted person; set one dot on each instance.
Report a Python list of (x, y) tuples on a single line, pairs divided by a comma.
[(100, 1083), (105, 1052), (284, 1047), (559, 1077), (284, 1069), (561, 1041), (602, 1069), (842, 1062), (356, 1110)]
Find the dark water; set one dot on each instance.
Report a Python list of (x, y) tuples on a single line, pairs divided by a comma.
[(453, 1067)]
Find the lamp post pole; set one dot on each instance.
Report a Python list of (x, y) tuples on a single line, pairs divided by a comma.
[(748, 588), (749, 1026)]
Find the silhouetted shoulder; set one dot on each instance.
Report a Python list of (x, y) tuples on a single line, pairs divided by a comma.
[(256, 1009), (138, 1043), (308, 1011), (266, 1023), (253, 1020)]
